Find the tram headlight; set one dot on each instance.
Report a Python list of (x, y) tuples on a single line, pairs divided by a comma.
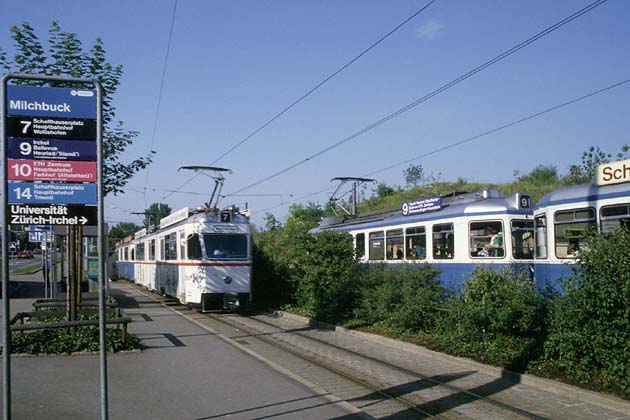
[(227, 280)]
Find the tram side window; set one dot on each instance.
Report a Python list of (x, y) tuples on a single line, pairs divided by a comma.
[(140, 252), (522, 239), (182, 245), (126, 255), (486, 239), (395, 244), (416, 240), (570, 230), (170, 247), (194, 247), (443, 242), (615, 217), (360, 245), (540, 236), (152, 250), (377, 245)]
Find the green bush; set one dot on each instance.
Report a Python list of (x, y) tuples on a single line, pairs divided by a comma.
[(327, 285), (59, 341), (499, 318), (590, 325), (404, 299)]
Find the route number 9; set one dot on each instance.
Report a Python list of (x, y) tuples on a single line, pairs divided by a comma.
[(25, 149)]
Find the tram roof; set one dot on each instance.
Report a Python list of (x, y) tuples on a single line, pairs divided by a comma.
[(469, 204), (582, 193)]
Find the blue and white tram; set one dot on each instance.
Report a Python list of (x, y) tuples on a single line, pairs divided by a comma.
[(562, 219), (203, 258), (452, 232)]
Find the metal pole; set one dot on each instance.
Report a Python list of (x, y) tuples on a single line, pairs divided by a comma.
[(101, 253), (44, 252), (6, 313)]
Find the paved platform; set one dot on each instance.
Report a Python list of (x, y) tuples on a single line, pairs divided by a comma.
[(184, 372)]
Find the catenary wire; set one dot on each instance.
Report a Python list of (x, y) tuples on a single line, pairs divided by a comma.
[(430, 95), (308, 93), (473, 138), (161, 91)]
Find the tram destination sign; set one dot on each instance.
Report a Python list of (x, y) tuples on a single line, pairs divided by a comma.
[(34, 214), (51, 149), (422, 206)]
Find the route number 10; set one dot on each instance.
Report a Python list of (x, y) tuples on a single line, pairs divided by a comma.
[(22, 169)]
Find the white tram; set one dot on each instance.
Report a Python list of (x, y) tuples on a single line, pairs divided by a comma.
[(201, 257), (452, 232)]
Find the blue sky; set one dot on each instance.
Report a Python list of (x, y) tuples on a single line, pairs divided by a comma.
[(233, 65)]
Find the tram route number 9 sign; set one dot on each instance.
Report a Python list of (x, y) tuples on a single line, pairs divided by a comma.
[(51, 154)]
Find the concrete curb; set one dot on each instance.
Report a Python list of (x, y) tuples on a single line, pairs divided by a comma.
[(568, 391)]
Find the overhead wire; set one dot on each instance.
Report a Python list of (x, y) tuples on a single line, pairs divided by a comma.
[(432, 94), (310, 91), (473, 138), (160, 94)]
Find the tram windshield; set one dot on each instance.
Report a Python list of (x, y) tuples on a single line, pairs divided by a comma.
[(225, 245)]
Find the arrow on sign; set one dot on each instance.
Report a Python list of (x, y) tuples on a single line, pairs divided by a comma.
[(83, 220)]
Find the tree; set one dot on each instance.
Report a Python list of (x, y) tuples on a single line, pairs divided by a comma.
[(155, 213), (65, 56), (540, 175), (384, 190), (120, 231), (584, 172), (413, 175), (310, 214), (271, 223)]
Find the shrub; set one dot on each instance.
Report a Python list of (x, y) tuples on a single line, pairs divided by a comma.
[(404, 299), (326, 288), (499, 318), (590, 326), (59, 341)]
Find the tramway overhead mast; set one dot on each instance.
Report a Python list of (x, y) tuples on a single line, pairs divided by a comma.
[(336, 200), (218, 181)]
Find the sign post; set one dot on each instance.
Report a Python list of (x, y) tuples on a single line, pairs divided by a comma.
[(52, 159)]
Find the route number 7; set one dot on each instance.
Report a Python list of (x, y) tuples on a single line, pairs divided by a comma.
[(27, 124)]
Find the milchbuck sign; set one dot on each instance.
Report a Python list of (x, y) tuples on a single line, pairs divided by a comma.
[(52, 165), (51, 155)]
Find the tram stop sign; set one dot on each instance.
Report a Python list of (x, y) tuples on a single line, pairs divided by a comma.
[(51, 151)]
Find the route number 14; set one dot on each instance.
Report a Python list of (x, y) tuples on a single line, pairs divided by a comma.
[(23, 193)]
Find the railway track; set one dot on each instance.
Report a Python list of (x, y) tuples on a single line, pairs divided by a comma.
[(422, 396), (370, 382)]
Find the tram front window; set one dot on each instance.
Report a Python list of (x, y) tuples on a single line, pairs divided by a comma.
[(225, 246)]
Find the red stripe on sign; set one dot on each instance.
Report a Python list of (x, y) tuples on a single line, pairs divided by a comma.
[(51, 170)]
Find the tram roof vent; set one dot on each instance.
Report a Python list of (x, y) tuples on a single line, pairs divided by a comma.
[(491, 193), (331, 220)]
